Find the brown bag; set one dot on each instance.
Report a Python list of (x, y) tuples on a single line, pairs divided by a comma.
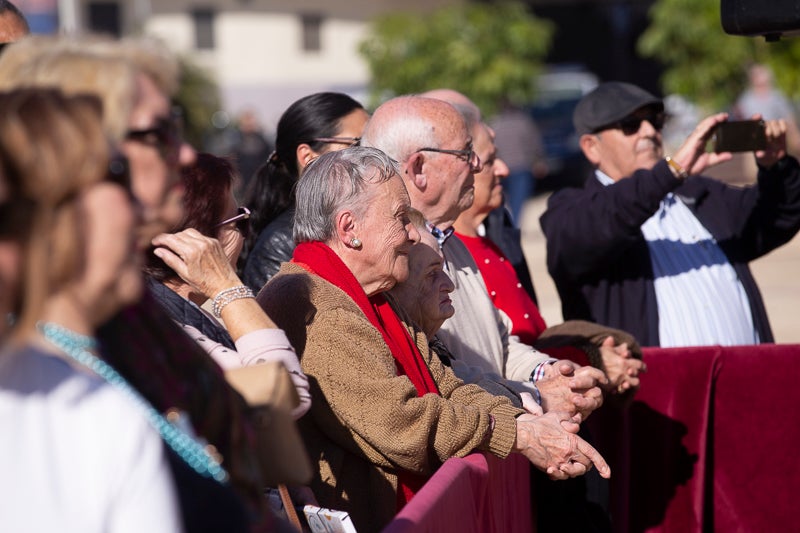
[(270, 393)]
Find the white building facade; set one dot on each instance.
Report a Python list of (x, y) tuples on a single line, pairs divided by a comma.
[(264, 54)]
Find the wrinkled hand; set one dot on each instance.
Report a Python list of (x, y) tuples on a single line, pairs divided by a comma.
[(621, 369), (529, 404), (200, 261), (776, 142), (572, 388), (692, 155), (551, 444)]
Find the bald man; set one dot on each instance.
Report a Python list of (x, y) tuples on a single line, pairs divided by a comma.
[(433, 143)]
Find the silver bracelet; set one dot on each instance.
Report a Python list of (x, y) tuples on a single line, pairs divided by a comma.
[(226, 296)]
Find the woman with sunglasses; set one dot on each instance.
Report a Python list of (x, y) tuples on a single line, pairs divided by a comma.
[(196, 262), (81, 448), (313, 125)]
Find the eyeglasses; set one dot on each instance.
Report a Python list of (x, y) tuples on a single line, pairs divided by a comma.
[(468, 155), (349, 141), (165, 135), (631, 124), (242, 226)]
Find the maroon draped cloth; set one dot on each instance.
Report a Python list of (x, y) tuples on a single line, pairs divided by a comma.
[(318, 258), (479, 493), (709, 442)]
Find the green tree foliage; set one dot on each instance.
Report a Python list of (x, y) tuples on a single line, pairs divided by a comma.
[(705, 64), (485, 51), (198, 97)]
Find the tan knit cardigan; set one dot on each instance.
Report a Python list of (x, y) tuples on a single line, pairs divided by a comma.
[(366, 422)]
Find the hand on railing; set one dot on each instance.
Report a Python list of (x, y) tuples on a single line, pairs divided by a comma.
[(551, 443)]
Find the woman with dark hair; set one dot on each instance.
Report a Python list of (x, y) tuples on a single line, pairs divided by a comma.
[(196, 263), (313, 125), (135, 79)]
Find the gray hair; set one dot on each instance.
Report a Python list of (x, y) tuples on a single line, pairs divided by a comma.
[(401, 126), (336, 181)]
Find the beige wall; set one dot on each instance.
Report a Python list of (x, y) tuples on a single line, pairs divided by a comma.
[(258, 59)]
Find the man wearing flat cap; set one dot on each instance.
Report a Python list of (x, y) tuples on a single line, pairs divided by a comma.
[(649, 245)]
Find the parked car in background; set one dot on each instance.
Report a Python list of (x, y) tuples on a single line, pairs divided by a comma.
[(560, 88)]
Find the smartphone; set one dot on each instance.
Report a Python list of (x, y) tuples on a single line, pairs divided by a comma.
[(739, 136)]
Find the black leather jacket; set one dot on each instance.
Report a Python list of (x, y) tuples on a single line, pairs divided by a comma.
[(275, 245)]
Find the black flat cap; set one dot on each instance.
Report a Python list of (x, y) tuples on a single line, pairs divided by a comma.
[(609, 102)]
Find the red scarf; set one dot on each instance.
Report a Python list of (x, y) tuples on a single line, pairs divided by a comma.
[(319, 259)]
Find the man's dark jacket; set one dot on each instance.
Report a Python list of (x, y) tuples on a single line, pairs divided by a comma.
[(600, 262)]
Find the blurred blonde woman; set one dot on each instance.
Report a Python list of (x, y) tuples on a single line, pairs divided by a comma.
[(136, 80), (79, 452)]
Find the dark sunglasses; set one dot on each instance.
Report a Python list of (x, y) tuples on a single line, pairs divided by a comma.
[(631, 124), (349, 141), (165, 135), (241, 219)]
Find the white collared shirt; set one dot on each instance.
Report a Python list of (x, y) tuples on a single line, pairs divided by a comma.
[(701, 300)]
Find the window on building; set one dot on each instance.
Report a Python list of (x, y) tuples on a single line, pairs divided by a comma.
[(203, 28), (104, 17), (312, 24)]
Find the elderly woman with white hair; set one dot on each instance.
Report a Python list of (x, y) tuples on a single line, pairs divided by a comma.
[(386, 413)]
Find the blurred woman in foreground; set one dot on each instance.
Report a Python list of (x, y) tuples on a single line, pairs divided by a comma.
[(79, 453)]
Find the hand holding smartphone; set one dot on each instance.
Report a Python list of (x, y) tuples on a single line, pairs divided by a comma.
[(739, 136)]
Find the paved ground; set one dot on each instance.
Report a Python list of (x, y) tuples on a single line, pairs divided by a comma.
[(778, 276)]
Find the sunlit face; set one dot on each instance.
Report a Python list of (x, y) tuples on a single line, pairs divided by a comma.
[(112, 275), (619, 155), (488, 191), (350, 127), (451, 179), (425, 295), (155, 162), (387, 235), (228, 234)]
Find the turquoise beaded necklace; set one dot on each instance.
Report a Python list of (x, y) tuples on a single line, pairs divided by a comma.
[(187, 447)]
